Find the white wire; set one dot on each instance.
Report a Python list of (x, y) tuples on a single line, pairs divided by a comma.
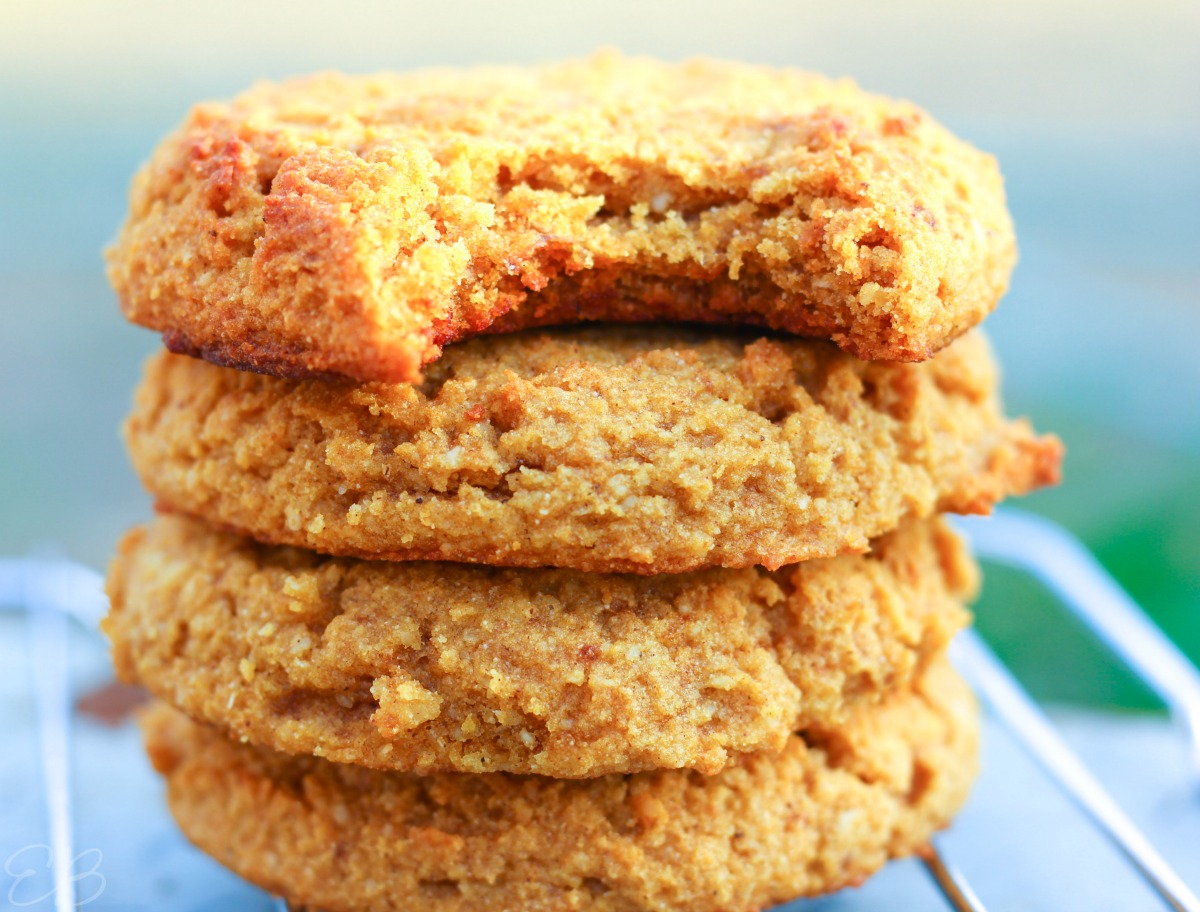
[(66, 586), (954, 887), (1009, 702), (51, 688), (1068, 568)]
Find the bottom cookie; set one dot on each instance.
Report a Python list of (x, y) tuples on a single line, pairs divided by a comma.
[(824, 813)]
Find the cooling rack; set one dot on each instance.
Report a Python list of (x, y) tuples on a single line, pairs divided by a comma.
[(63, 601)]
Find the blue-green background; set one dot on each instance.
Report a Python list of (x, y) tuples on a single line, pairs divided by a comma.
[(1092, 108)]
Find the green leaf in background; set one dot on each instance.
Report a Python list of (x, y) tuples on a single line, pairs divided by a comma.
[(1136, 505), (1054, 655)]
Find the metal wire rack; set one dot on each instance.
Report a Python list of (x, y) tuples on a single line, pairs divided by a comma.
[(56, 593)]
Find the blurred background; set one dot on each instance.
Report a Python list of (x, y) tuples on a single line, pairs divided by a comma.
[(1092, 106)]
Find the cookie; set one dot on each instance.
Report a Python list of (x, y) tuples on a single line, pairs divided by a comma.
[(608, 449), (356, 225), (435, 667), (824, 813)]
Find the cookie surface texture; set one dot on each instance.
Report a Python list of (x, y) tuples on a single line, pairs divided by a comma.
[(824, 813), (427, 666), (354, 226), (609, 449)]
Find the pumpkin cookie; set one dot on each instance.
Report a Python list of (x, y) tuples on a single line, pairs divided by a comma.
[(610, 449), (824, 813), (435, 667), (355, 225)]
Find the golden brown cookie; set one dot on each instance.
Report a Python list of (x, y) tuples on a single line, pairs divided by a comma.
[(436, 667), (356, 225), (645, 450), (824, 813)]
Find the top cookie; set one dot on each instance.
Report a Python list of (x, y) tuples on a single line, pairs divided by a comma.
[(354, 225)]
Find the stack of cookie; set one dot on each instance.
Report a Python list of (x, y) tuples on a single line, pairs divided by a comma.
[(456, 610)]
